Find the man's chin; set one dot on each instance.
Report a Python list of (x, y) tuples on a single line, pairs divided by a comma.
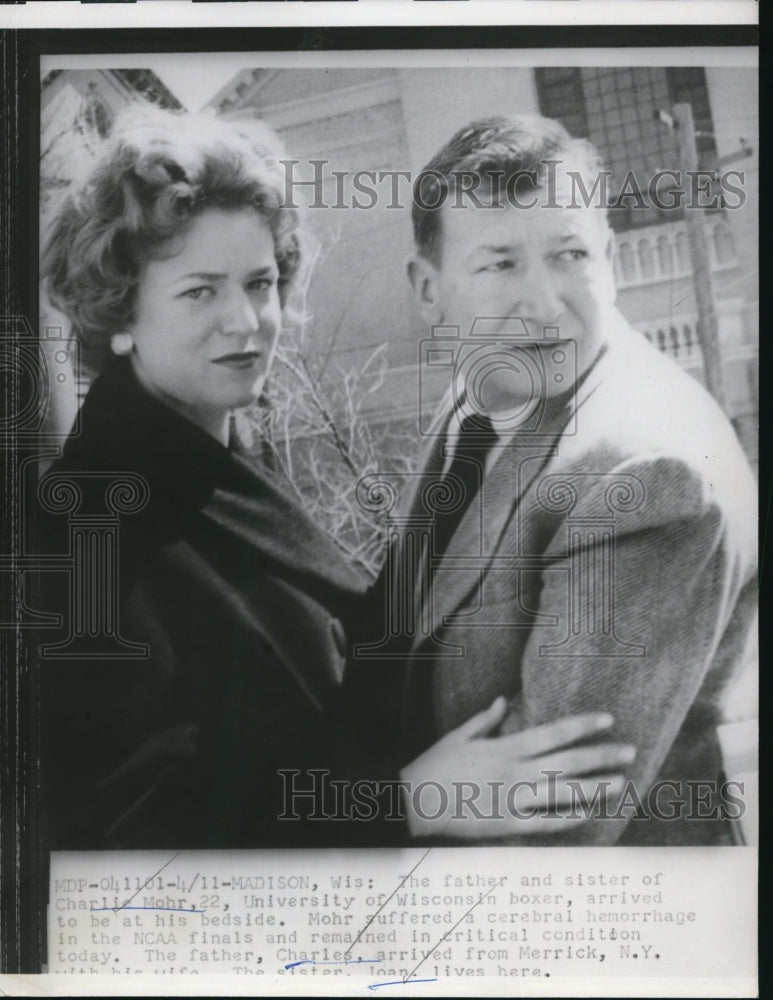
[(515, 390), (515, 398)]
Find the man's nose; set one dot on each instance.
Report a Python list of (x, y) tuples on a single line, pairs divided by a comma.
[(239, 314), (539, 300)]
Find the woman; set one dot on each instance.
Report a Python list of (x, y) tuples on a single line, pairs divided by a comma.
[(175, 263)]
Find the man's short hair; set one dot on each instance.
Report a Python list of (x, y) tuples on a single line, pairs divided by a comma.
[(500, 148)]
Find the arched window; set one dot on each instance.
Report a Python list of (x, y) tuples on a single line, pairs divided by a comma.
[(665, 255), (627, 262), (96, 114), (646, 259), (683, 251), (723, 243)]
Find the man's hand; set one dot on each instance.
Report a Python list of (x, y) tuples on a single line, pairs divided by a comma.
[(535, 781)]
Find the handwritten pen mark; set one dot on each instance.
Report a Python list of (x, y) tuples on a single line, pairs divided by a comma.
[(452, 929), (125, 906), (165, 909), (350, 961), (397, 889), (401, 982)]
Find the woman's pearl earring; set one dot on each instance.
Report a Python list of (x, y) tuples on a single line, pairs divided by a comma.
[(121, 343)]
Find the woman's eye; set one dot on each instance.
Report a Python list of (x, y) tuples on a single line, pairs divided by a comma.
[(260, 284), (203, 291)]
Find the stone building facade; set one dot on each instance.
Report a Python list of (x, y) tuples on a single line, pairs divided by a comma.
[(393, 119)]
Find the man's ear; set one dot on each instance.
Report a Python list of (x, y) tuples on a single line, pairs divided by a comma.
[(610, 255), (423, 277), (609, 237)]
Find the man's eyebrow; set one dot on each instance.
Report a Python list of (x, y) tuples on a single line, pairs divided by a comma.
[(493, 248), (501, 248)]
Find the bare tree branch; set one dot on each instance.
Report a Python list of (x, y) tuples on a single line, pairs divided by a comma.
[(324, 441)]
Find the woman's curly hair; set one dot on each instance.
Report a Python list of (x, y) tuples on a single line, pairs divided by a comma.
[(158, 170)]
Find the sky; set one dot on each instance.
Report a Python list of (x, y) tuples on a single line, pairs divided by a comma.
[(192, 79), (184, 76)]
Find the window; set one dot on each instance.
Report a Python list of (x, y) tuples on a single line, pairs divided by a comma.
[(97, 116), (646, 259), (559, 87), (615, 109), (627, 262), (683, 251), (665, 255), (724, 247)]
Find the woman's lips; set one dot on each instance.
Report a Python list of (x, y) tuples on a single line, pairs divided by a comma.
[(240, 359)]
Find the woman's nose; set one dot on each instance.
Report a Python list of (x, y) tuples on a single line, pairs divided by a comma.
[(239, 315)]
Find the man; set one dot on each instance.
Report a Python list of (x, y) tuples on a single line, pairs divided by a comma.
[(603, 557)]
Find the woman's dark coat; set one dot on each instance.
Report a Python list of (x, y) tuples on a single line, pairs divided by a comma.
[(242, 601)]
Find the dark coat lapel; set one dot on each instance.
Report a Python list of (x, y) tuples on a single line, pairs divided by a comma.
[(477, 539), (237, 543), (191, 475)]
